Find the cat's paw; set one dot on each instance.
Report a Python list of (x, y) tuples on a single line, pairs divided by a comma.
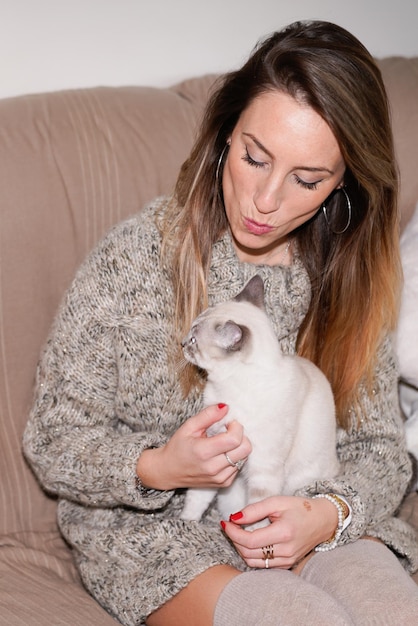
[(190, 513), (189, 517)]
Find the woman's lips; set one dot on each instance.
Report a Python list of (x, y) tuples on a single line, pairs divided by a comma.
[(255, 228)]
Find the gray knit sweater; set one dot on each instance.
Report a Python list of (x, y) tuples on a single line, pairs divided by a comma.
[(105, 392)]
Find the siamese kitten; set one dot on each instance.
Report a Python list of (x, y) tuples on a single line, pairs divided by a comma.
[(284, 403)]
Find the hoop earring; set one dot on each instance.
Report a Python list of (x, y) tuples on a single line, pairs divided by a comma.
[(324, 209), (218, 167)]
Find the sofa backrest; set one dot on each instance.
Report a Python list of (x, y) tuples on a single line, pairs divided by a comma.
[(71, 165)]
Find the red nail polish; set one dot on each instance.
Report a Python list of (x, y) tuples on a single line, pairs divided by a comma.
[(223, 524), (236, 516), (221, 405)]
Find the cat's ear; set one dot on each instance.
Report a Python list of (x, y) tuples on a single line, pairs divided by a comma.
[(253, 292), (232, 336)]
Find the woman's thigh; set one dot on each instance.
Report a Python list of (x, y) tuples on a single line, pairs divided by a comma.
[(195, 604)]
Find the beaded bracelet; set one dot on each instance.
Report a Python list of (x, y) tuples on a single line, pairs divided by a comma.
[(341, 509)]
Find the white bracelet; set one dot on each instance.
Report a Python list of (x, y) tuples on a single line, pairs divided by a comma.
[(333, 542)]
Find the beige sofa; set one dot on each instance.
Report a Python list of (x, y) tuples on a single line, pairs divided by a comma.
[(71, 165)]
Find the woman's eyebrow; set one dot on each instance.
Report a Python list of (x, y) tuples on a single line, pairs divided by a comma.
[(301, 167), (258, 144), (315, 169)]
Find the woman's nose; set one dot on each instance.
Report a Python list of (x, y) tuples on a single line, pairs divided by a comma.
[(268, 197)]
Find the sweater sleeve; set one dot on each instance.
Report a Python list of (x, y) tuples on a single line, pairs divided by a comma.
[(91, 418), (375, 467)]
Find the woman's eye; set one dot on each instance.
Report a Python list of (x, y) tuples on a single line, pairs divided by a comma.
[(248, 159), (306, 185)]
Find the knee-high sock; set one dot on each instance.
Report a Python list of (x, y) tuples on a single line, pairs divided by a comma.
[(366, 578), (276, 597)]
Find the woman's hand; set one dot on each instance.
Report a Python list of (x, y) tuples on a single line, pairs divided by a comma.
[(297, 526), (191, 458)]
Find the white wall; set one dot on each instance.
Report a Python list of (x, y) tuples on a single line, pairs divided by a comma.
[(54, 44)]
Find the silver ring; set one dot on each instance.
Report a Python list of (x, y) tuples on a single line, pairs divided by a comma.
[(238, 464)]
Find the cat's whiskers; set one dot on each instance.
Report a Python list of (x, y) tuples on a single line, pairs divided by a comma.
[(180, 364)]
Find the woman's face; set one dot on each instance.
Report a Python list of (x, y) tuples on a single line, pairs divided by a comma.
[(283, 162)]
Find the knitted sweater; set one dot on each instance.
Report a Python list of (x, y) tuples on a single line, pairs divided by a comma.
[(105, 392)]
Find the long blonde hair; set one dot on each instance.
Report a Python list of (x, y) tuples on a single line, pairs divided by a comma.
[(355, 275)]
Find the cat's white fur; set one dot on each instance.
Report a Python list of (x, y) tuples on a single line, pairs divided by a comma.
[(284, 402), (407, 335), (407, 330)]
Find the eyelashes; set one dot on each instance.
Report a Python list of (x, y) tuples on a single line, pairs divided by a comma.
[(259, 164), (248, 159), (306, 185)]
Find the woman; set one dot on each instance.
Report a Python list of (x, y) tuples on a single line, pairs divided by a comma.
[(293, 177)]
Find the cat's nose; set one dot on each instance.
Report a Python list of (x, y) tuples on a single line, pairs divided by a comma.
[(188, 340)]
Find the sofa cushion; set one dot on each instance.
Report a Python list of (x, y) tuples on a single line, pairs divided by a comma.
[(37, 587), (400, 75)]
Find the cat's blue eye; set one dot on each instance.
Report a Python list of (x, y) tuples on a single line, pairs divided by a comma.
[(248, 159), (306, 185)]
